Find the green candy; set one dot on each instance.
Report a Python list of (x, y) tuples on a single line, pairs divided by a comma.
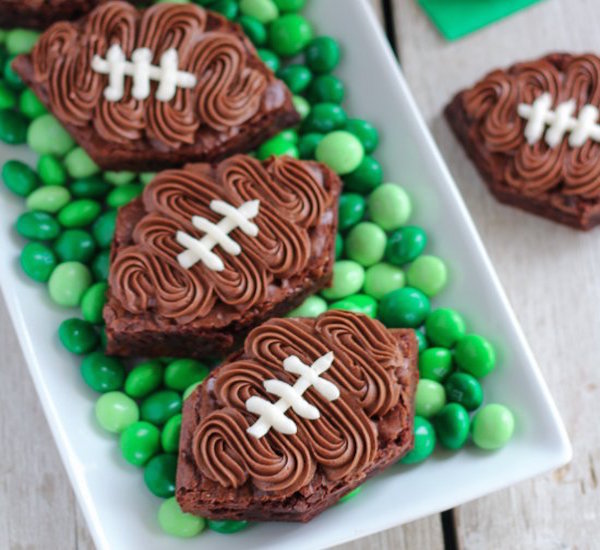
[(289, 34), (296, 77), (8, 97), (326, 89), (37, 261), (50, 198), (183, 372), (264, 11), (79, 213), (75, 245), (289, 135), (227, 8), (102, 373), (68, 283), (120, 196), (307, 145), (12, 78), (404, 308), (289, 5), (169, 437), (144, 378), (464, 389), (365, 244), (13, 127), (493, 427), (115, 411), (475, 355), (312, 306), (365, 131), (350, 495), (51, 171), (100, 265), (452, 426), (366, 177), (190, 389), (444, 327), (277, 146), (421, 340), (271, 60), (226, 526), (405, 244), (324, 118), (119, 178), (20, 41), (139, 442), (19, 178), (160, 406), (78, 336), (103, 228), (339, 246), (348, 279), (46, 136), (357, 303), (176, 523), (424, 442), (30, 105), (430, 398), (147, 177), (159, 475), (93, 187), (302, 106), (389, 206), (253, 29), (435, 364), (37, 225), (79, 164), (427, 273), (351, 209), (341, 151), (92, 302), (382, 278), (322, 54)]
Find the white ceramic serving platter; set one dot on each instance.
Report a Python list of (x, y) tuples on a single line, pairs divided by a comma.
[(120, 511)]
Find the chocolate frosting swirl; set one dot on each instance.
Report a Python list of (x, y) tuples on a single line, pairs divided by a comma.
[(341, 444), (498, 131), (146, 276), (228, 93)]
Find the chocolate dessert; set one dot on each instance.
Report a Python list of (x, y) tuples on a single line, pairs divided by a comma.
[(306, 412), (210, 251), (147, 89), (532, 131), (40, 14)]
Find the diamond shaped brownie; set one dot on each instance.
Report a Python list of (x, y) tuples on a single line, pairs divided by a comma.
[(209, 251), (532, 131), (306, 412), (148, 89)]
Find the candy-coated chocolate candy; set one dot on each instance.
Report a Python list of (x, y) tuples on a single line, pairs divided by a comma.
[(124, 194), (160, 406), (464, 389), (302, 106), (139, 442), (19, 177), (312, 306), (68, 283), (37, 225), (144, 378), (38, 261), (322, 54), (404, 308), (271, 60), (20, 41), (75, 245), (430, 398), (115, 411), (341, 151), (102, 373), (253, 29), (326, 89), (13, 127), (45, 135), (78, 336), (348, 278), (435, 364), (181, 373), (51, 170), (366, 177), (79, 213), (289, 34), (264, 11), (339, 246), (427, 273), (92, 302), (93, 187), (423, 344), (324, 118), (382, 278), (226, 526), (424, 442), (358, 303), (50, 198), (119, 178), (452, 426), (8, 97), (405, 244), (289, 5), (444, 327), (307, 145), (365, 243), (30, 105), (79, 164), (365, 131), (351, 209), (389, 206), (351, 494), (169, 436), (493, 427), (297, 77), (159, 475), (10, 77), (475, 354), (104, 228), (190, 389), (227, 8), (100, 265), (176, 523), (277, 146)]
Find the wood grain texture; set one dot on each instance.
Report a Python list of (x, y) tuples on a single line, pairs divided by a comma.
[(550, 273)]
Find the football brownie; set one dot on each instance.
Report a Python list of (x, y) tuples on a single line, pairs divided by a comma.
[(147, 89), (306, 412), (210, 251)]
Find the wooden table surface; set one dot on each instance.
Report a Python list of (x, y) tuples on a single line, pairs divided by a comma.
[(551, 275)]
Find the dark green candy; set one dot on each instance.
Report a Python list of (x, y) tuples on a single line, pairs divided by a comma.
[(103, 228), (421, 340), (182, 373), (92, 302), (226, 526), (464, 389), (8, 97), (12, 78), (169, 437), (78, 336), (405, 244), (30, 105), (339, 246), (124, 194), (404, 308), (159, 475), (452, 426), (324, 118), (366, 177), (100, 265), (160, 406), (322, 54), (307, 145), (435, 364), (228, 8), (253, 29), (365, 132), (296, 77), (75, 245), (326, 89), (13, 127), (102, 373), (289, 5), (37, 225), (269, 58), (351, 209), (424, 442), (38, 261), (19, 177), (93, 187)]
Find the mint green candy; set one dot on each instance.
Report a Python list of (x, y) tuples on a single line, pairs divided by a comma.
[(50, 198), (20, 41), (302, 106), (427, 273), (181, 373), (115, 411), (79, 164), (357, 303), (493, 427), (92, 302), (144, 378), (389, 206), (46, 136), (19, 178), (119, 178), (30, 105), (289, 34), (68, 283), (38, 261), (51, 171), (264, 11), (341, 151), (79, 213), (190, 389), (124, 194), (147, 177), (430, 398), (382, 278), (277, 146), (8, 97), (169, 437), (312, 306), (348, 278), (176, 523), (365, 243)]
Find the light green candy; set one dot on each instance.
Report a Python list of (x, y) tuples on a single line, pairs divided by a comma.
[(341, 151), (313, 306), (264, 11), (46, 136), (115, 411), (365, 243), (383, 278), (430, 398), (147, 177), (348, 278), (177, 523), (301, 105), (68, 283), (50, 198), (427, 273), (20, 41), (357, 303), (79, 164), (493, 427), (389, 206), (119, 178)]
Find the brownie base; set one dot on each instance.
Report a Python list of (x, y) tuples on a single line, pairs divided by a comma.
[(568, 210), (320, 494), (24, 14)]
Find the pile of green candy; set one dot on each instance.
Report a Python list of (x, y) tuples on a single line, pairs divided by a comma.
[(381, 267)]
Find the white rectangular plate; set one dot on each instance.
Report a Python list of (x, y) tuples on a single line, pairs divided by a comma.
[(120, 511)]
